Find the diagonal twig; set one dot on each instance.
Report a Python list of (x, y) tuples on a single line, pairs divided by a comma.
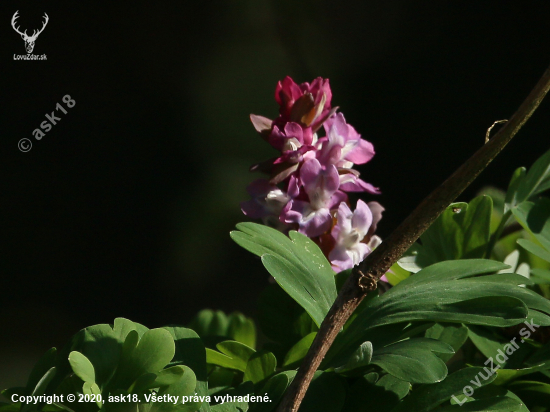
[(364, 276)]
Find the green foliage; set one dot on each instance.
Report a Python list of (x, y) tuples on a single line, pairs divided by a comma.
[(535, 218), (536, 181), (461, 232), (455, 332), (215, 326), (359, 359), (125, 359), (428, 397), (282, 319), (414, 360), (260, 366), (327, 393), (369, 393), (232, 355), (454, 335), (296, 263)]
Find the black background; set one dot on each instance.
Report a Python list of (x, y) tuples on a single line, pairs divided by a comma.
[(124, 207)]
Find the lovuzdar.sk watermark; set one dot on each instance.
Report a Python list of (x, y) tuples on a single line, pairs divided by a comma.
[(29, 39), (501, 358)]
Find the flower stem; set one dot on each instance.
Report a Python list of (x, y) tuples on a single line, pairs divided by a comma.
[(364, 276)]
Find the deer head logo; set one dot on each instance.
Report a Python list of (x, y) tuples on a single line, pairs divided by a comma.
[(29, 40)]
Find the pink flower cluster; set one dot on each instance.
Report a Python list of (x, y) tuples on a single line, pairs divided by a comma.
[(309, 181)]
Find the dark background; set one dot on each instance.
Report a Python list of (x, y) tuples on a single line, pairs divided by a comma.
[(124, 207)]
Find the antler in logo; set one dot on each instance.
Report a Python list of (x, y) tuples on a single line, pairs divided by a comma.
[(29, 40)]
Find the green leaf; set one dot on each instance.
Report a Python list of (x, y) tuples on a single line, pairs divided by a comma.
[(452, 270), (512, 395), (541, 276), (82, 367), (396, 274), (326, 393), (102, 346), (184, 386), (534, 249), (157, 342), (448, 292), (540, 356), (452, 334), (427, 397), (413, 360), (296, 263), (69, 385), (274, 389), (242, 329), (149, 354), (122, 326), (298, 351), (392, 384), (40, 388), (497, 404), (487, 341), (505, 376), (219, 359), (260, 366), (234, 355), (533, 393), (498, 196), (210, 323), (382, 396), (143, 383), (279, 316), (535, 218), (512, 199), (190, 352), (537, 179), (236, 350), (462, 231), (358, 359), (46, 362), (90, 388), (169, 376)]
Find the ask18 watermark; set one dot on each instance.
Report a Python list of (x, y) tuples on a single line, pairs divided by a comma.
[(52, 119), (501, 357)]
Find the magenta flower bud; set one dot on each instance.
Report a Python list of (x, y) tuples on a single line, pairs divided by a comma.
[(305, 104)]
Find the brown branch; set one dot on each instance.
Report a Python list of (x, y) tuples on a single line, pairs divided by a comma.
[(364, 276)]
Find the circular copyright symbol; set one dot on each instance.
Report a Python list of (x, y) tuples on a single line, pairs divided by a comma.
[(70, 398), (24, 145)]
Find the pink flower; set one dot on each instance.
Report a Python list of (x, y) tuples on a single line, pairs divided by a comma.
[(293, 142), (353, 234), (313, 215), (267, 200), (311, 174), (350, 182), (344, 147), (307, 104)]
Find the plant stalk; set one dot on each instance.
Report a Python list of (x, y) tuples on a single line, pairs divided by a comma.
[(364, 277)]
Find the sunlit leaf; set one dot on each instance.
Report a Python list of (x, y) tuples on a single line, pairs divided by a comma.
[(296, 263), (414, 360)]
